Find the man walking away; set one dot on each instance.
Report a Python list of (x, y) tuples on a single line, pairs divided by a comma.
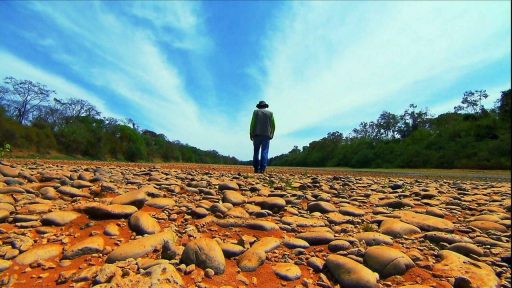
[(262, 130)]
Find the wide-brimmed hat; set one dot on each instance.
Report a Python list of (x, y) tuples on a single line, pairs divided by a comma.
[(262, 104)]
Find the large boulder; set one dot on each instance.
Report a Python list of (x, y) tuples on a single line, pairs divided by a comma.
[(387, 261), (269, 203), (321, 206), (90, 245), (59, 218), (488, 226), (261, 225), (351, 274), (231, 250), (140, 247), (135, 198), (302, 222), (7, 171), (466, 249), (4, 215), (164, 275), (233, 197), (160, 203), (316, 237), (426, 222), (287, 271), (474, 273), (350, 210), (442, 237), (73, 192), (228, 186), (113, 211), (204, 253), (395, 203), (373, 238), (4, 265), (142, 223), (396, 228), (39, 253), (255, 256)]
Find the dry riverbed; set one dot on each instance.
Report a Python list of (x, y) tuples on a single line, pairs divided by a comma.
[(83, 224)]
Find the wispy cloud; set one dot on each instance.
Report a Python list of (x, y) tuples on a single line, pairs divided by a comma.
[(334, 60), (127, 60), (177, 23), (20, 69), (326, 65)]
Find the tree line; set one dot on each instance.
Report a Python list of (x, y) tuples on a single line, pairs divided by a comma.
[(470, 137), (33, 119)]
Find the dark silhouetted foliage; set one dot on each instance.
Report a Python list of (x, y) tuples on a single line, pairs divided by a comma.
[(471, 137), (29, 121)]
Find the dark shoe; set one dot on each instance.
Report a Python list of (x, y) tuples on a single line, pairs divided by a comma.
[(256, 170), (262, 171)]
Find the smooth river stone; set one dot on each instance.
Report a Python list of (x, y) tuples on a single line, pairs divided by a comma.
[(488, 226), (59, 218), (42, 253), (477, 274), (321, 206), (7, 171), (426, 222), (302, 222), (87, 246), (73, 192), (287, 271), (160, 203), (396, 228), (387, 261), (255, 256), (351, 211), (351, 274), (373, 238), (135, 198), (142, 223), (141, 246), (316, 237), (233, 197), (113, 211), (205, 253)]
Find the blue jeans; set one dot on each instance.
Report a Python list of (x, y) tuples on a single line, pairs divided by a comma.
[(263, 143)]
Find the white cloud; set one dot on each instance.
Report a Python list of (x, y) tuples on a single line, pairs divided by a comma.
[(18, 68), (180, 17), (127, 60), (326, 62), (329, 59)]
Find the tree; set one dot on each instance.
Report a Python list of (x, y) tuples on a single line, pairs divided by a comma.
[(366, 130), (130, 122), (504, 105), (23, 97), (74, 107), (411, 120), (387, 124), (472, 102), (335, 136)]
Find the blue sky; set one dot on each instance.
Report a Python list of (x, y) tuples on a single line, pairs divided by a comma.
[(195, 70)]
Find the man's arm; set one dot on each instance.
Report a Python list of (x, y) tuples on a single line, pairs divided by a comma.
[(272, 126), (253, 124)]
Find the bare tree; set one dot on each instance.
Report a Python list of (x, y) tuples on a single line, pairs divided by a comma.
[(23, 97), (74, 107)]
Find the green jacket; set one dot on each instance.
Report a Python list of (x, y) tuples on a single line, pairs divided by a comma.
[(262, 123)]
